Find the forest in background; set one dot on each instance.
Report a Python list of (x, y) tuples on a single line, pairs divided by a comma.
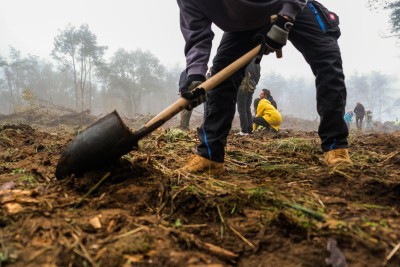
[(80, 78)]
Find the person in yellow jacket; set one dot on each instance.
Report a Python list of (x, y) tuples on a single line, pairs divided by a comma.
[(267, 115)]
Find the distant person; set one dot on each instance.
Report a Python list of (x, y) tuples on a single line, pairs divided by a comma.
[(269, 98), (267, 115), (348, 118), (185, 114), (369, 124), (245, 97), (255, 105), (396, 124), (359, 110)]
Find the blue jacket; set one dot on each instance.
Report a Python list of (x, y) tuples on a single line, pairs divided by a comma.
[(348, 117)]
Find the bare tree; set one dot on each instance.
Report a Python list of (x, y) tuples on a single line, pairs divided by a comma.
[(65, 50), (130, 76), (78, 52), (380, 88)]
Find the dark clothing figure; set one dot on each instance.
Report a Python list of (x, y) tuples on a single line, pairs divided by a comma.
[(245, 97), (185, 114), (273, 102), (314, 33), (359, 110), (255, 104), (262, 122)]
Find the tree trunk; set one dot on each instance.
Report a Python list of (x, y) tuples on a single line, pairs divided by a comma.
[(75, 82)]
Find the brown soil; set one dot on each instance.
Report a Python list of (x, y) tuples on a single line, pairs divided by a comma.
[(276, 205)]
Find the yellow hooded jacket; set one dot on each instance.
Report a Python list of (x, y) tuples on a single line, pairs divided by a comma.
[(266, 110)]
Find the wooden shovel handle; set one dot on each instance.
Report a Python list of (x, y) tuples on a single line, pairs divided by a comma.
[(208, 85)]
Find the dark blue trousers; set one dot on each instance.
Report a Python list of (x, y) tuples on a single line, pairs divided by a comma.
[(320, 50)]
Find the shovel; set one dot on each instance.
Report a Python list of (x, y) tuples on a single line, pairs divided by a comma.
[(109, 138)]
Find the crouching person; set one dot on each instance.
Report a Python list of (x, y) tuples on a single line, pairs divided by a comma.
[(267, 115)]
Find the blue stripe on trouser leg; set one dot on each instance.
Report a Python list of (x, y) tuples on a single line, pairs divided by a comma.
[(206, 143), (332, 146)]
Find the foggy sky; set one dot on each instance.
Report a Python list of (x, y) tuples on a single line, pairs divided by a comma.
[(153, 25)]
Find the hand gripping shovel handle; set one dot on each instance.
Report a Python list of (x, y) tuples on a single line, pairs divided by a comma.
[(208, 85)]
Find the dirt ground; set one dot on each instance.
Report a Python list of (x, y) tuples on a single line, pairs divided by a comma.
[(276, 204)]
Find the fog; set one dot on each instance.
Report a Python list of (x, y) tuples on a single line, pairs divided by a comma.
[(31, 26)]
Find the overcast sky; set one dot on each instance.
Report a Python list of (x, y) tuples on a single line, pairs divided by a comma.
[(31, 25)]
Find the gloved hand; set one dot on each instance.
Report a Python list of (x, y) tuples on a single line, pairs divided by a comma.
[(196, 96), (278, 32)]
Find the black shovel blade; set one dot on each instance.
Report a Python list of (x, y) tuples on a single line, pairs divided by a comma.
[(100, 144)]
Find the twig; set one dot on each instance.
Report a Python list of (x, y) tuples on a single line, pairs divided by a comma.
[(222, 221), (394, 250), (220, 215), (241, 237), (194, 225), (299, 182), (237, 162), (92, 189), (213, 249), (233, 229), (391, 155), (337, 170), (318, 199), (134, 231), (84, 251), (38, 254)]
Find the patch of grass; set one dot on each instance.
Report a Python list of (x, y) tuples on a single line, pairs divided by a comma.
[(244, 156), (175, 134), (178, 223), (28, 180), (18, 171), (307, 211), (192, 189), (365, 222), (265, 166), (260, 194), (5, 255), (295, 145), (5, 165), (366, 157), (5, 140), (371, 206)]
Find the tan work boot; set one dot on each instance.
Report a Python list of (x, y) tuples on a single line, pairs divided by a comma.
[(200, 164), (337, 156)]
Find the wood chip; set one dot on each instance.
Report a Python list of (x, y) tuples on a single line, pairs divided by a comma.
[(13, 208), (95, 222)]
